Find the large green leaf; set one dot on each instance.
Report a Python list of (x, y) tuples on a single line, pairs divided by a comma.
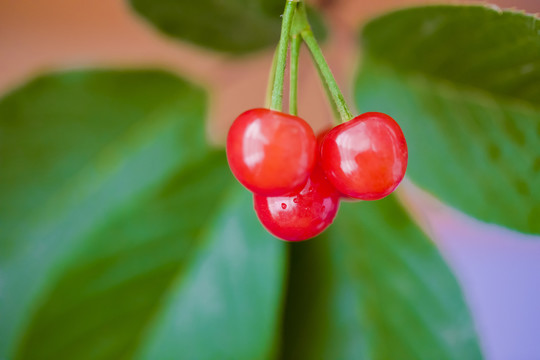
[(374, 287), (124, 234), (464, 84), (231, 26)]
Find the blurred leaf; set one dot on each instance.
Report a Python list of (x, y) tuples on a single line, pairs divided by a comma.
[(464, 83), (374, 287), (124, 234), (232, 26)]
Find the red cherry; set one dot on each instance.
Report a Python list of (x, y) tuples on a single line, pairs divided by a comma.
[(366, 157), (320, 139), (269, 152), (300, 215)]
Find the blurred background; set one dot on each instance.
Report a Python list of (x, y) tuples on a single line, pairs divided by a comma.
[(497, 268)]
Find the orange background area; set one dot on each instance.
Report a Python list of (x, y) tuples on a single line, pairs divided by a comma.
[(43, 35)]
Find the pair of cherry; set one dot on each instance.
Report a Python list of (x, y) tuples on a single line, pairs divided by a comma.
[(298, 179)]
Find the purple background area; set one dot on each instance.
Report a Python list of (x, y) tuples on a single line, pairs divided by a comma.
[(499, 271)]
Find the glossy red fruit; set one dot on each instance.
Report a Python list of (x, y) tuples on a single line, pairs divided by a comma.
[(366, 157), (320, 138), (269, 152), (300, 215)]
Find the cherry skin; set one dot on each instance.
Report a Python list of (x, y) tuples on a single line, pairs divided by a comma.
[(300, 215), (269, 152), (320, 138), (366, 157)]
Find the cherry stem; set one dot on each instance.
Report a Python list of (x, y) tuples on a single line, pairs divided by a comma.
[(296, 42), (304, 29), (277, 90)]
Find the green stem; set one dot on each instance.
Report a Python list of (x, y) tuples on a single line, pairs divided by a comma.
[(328, 78), (304, 29), (335, 111), (277, 91), (296, 42)]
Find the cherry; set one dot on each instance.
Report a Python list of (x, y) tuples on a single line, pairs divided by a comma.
[(366, 157), (300, 215), (269, 152), (320, 138)]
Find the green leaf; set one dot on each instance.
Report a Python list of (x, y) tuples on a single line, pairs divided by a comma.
[(232, 26), (374, 287), (463, 82), (124, 234)]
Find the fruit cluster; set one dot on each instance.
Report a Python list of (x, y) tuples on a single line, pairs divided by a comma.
[(298, 179)]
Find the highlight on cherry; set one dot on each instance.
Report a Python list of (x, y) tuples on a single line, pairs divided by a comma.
[(298, 179)]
